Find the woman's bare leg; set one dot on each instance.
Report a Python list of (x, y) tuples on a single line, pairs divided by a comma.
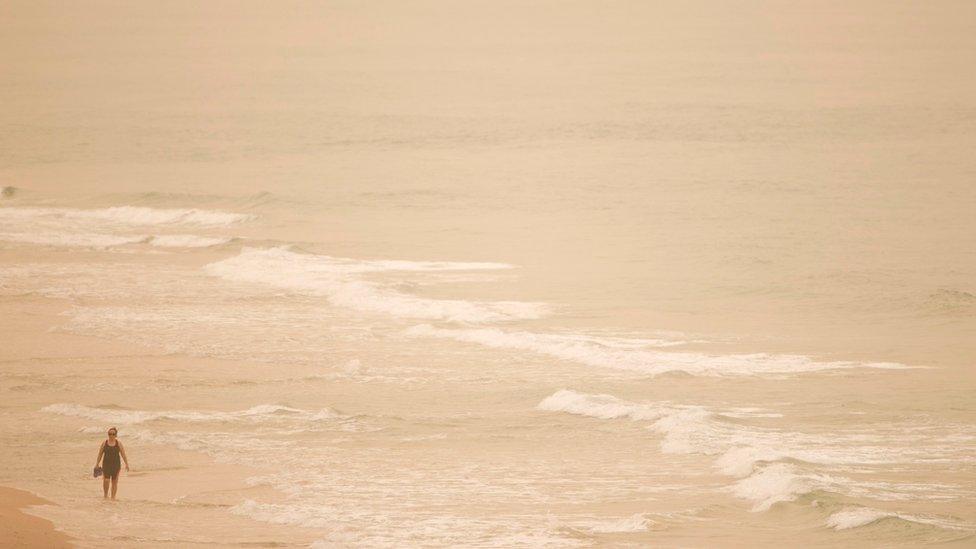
[(105, 482), (115, 484)]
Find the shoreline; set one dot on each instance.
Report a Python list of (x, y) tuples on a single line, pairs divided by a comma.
[(23, 529), (168, 478)]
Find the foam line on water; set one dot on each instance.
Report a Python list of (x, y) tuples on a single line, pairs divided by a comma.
[(619, 354), (603, 406), (856, 517), (83, 240), (633, 523), (771, 465), (127, 215), (336, 280), (187, 241), (778, 482), (259, 413), (348, 265), (100, 240)]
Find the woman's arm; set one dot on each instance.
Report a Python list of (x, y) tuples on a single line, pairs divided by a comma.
[(122, 451), (101, 450)]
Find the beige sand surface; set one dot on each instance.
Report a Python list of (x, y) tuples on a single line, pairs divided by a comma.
[(165, 483), (18, 528)]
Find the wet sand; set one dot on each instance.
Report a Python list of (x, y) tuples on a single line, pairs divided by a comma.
[(18, 528), (165, 482)]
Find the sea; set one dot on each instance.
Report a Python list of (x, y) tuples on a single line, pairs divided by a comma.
[(492, 274)]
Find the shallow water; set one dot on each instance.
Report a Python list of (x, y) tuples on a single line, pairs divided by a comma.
[(585, 276)]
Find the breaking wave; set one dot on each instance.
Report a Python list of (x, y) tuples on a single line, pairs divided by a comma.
[(101, 241), (602, 406), (639, 355), (187, 241), (771, 465), (335, 279), (775, 483), (110, 227), (262, 412), (85, 240), (127, 215), (856, 517), (634, 523)]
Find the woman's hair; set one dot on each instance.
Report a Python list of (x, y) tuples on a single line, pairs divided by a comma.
[(110, 429)]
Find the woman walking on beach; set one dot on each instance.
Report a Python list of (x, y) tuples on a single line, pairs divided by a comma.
[(111, 449)]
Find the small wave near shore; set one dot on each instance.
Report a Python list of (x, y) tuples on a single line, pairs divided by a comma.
[(340, 281), (639, 355), (115, 226), (772, 465), (259, 413), (125, 215)]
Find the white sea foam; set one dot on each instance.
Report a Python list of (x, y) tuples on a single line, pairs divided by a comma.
[(601, 406), (87, 240), (634, 523), (100, 240), (689, 429), (350, 266), (740, 461), (623, 354), (335, 279), (686, 429), (346, 529), (773, 484), (782, 466), (127, 215), (855, 517), (187, 241), (282, 514), (262, 412), (108, 227), (772, 465)]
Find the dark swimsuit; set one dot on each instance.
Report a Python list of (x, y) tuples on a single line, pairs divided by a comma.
[(111, 464)]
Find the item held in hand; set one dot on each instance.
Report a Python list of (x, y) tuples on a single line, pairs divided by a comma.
[(97, 472)]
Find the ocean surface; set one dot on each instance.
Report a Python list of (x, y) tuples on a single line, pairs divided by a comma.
[(492, 274)]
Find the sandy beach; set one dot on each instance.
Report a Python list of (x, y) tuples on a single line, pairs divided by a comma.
[(21, 529), (163, 478), (489, 274)]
